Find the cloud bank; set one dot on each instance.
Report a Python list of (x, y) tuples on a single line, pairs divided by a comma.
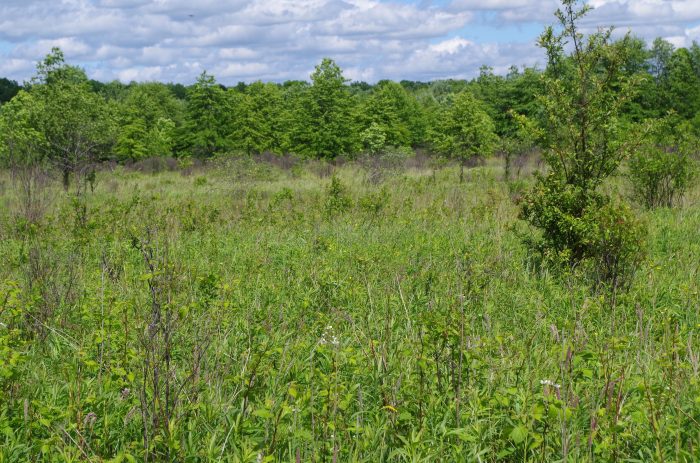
[(237, 40)]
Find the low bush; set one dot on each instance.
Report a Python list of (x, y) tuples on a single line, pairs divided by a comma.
[(583, 228), (662, 169)]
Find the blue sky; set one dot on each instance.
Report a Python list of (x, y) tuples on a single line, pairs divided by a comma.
[(275, 40)]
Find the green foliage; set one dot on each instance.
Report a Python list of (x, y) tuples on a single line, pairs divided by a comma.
[(585, 230), (8, 89), (206, 127), (148, 119), (160, 139), (53, 70), (325, 125), (373, 138), (660, 58), (617, 244), (338, 200), (21, 142), (683, 84), (662, 169), (76, 125), (12, 341), (328, 118), (464, 130), (259, 119), (564, 214), (396, 112), (582, 100), (131, 144), (584, 95)]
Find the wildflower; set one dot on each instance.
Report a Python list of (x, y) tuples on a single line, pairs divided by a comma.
[(328, 337), (550, 383)]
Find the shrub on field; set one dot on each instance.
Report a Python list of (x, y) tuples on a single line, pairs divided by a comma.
[(583, 228), (387, 162), (662, 169), (374, 203), (584, 146), (617, 247), (338, 198)]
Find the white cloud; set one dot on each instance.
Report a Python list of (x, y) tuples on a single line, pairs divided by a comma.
[(284, 39), (147, 73), (460, 58)]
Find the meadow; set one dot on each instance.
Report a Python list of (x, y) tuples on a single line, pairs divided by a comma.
[(248, 311)]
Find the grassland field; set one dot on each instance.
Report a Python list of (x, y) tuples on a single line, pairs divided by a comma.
[(246, 313)]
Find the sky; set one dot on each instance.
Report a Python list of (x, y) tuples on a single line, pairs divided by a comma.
[(277, 40)]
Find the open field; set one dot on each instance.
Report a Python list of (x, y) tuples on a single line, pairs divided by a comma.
[(250, 313)]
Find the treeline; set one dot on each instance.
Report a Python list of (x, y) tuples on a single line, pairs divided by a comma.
[(63, 116)]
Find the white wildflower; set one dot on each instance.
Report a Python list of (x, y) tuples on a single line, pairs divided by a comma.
[(328, 337), (549, 382)]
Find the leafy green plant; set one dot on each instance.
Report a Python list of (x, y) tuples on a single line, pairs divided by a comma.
[(617, 245), (582, 99), (662, 169), (373, 138), (338, 200), (465, 131)]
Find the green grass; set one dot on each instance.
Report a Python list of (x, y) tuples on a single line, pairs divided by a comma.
[(398, 321)]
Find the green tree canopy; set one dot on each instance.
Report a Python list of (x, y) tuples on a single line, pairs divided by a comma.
[(683, 84), (464, 129), (75, 122), (396, 112), (207, 125), (259, 118), (327, 126)]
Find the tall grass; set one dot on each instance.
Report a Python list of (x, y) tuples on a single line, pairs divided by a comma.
[(226, 315)]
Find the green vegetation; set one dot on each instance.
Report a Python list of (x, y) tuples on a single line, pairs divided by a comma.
[(250, 312), (296, 271), (583, 145), (662, 168)]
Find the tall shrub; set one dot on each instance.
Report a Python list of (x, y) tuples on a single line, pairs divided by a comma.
[(584, 143)]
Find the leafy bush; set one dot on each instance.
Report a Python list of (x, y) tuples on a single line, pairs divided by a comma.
[(584, 146), (560, 211), (580, 227), (661, 170), (660, 175), (617, 245), (338, 199), (373, 138)]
